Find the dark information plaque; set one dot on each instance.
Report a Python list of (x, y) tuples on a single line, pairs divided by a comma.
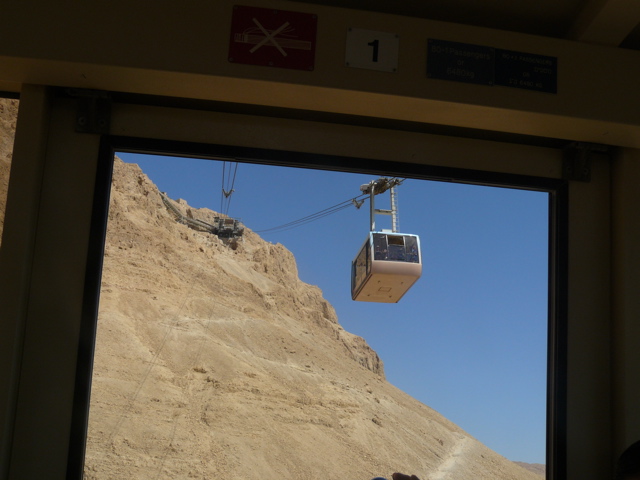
[(460, 62), (463, 62), (526, 70)]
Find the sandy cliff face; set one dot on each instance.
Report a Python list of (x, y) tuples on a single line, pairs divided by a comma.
[(219, 363)]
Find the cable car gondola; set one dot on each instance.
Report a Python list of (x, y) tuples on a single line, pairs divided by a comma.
[(386, 267), (388, 263)]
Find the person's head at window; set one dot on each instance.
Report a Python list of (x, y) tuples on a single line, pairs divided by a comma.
[(628, 465)]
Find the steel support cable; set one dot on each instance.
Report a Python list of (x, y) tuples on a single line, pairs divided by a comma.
[(230, 191), (283, 228), (224, 195), (228, 183), (128, 407), (222, 188), (192, 365), (314, 216), (334, 209)]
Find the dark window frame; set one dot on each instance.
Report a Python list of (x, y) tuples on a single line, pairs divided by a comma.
[(558, 262)]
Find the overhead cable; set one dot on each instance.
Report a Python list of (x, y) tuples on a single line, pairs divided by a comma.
[(228, 183), (314, 216)]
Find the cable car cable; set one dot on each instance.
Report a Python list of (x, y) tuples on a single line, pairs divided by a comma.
[(224, 164), (226, 191), (388, 183), (299, 223), (315, 216), (228, 182), (231, 190)]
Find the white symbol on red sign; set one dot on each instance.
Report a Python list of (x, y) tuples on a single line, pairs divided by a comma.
[(276, 38), (261, 36)]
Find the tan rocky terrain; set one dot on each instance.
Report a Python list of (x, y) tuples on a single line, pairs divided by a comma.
[(8, 115), (220, 363)]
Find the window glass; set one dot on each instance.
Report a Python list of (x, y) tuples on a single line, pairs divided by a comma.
[(361, 267), (396, 248), (381, 251), (254, 362), (411, 249)]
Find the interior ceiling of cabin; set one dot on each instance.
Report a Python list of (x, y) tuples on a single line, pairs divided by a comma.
[(614, 23)]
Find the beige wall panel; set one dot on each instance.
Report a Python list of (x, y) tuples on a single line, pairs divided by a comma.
[(626, 300), (16, 254), (182, 50), (54, 299), (334, 139), (589, 407)]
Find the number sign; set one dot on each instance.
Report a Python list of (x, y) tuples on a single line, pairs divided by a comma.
[(372, 50)]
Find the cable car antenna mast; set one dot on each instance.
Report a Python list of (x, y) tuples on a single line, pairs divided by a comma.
[(376, 187)]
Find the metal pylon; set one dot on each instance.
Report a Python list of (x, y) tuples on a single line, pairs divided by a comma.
[(376, 187), (395, 221)]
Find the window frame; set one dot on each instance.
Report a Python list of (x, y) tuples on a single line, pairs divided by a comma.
[(558, 261)]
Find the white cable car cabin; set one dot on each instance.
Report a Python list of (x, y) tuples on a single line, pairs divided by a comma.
[(388, 262), (386, 267)]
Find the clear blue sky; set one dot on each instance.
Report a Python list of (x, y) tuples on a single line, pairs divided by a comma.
[(469, 339)]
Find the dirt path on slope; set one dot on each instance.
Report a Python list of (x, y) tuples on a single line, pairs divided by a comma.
[(453, 460)]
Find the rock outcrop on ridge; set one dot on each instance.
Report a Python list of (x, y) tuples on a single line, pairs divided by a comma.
[(219, 363)]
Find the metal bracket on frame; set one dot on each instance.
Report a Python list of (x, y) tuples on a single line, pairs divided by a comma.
[(94, 111), (576, 164)]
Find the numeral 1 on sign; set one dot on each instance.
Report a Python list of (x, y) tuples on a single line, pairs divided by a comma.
[(375, 45), (372, 50)]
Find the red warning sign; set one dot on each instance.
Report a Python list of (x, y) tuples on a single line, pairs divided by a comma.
[(274, 38)]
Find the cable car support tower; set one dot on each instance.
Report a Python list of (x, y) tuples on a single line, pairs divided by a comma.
[(376, 187)]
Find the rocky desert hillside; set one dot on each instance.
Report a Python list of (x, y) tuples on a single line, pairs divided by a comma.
[(213, 362), (8, 115)]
